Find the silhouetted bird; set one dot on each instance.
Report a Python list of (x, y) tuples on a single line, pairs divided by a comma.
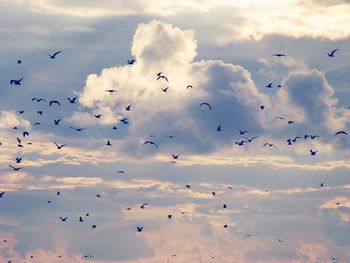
[(151, 142), (290, 122), (188, 186), (224, 206), (341, 132), (124, 121), (331, 55), (98, 116), (15, 168), (60, 146), (128, 107), (81, 219), (38, 100), (280, 118), (175, 156), (16, 82), (278, 55), (54, 55), (269, 85), (40, 112), (205, 103), (21, 111), (189, 86), (72, 100), (63, 219), (219, 128), (57, 122), (279, 240), (139, 228), (25, 133), (131, 62), (162, 77), (165, 89), (269, 144), (94, 227), (54, 102), (250, 140), (19, 159), (262, 107), (2, 194), (242, 132), (111, 90), (313, 152), (78, 129), (108, 143), (313, 136)]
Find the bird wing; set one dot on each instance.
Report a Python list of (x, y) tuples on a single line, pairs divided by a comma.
[(54, 55)]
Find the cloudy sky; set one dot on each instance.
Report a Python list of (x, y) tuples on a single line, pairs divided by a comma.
[(286, 202)]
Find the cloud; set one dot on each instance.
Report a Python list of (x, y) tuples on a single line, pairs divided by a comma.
[(81, 29), (9, 120), (36, 29)]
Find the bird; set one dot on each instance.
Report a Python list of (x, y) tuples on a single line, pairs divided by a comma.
[(331, 55), (224, 206), (162, 77), (81, 219), (289, 141), (60, 146), (57, 122), (93, 227), (128, 209), (120, 171), (242, 132), (115, 128), (25, 133), (279, 86), (219, 128), (58, 193), (2, 194), (143, 205), (279, 240), (170, 136), (262, 107), (165, 89), (98, 116), (313, 136), (225, 226), (280, 118), (110, 90), (124, 121), (241, 143), (188, 186), (38, 100), (278, 55), (205, 103), (131, 62), (54, 102), (139, 228), (98, 195), (128, 108), (170, 216), (19, 61), (54, 55), (189, 86), (269, 144), (72, 100), (63, 219), (21, 111), (322, 184), (250, 140), (108, 143), (16, 82), (19, 159), (40, 112), (306, 136), (313, 152), (295, 138), (290, 122), (213, 193), (176, 157), (15, 168), (269, 85), (77, 129), (151, 142), (341, 132)]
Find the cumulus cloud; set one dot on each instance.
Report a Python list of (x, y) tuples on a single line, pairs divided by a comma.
[(9, 119)]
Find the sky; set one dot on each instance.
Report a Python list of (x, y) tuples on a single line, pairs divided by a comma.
[(247, 152)]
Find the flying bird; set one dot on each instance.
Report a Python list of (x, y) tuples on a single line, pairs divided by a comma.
[(54, 55), (128, 108), (176, 157), (19, 61), (63, 219), (290, 122), (81, 219), (219, 128), (40, 112), (77, 129), (38, 100), (269, 85), (269, 144), (2, 194), (54, 102), (189, 86), (241, 143), (120, 171), (313, 136), (250, 140), (205, 103), (15, 168), (57, 122), (151, 142), (262, 107), (162, 77), (165, 89), (242, 132), (139, 228), (278, 55), (111, 90), (72, 100), (21, 111), (60, 146), (131, 62), (341, 132), (108, 143), (25, 133), (280, 118), (313, 152), (16, 82), (331, 55), (98, 116), (19, 159), (188, 186), (279, 240), (124, 121)]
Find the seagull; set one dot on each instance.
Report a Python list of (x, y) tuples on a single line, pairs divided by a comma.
[(54, 101), (242, 132), (111, 90), (81, 219), (290, 122), (94, 227), (98, 195), (313, 136), (19, 159), (131, 62), (64, 219), (40, 112), (128, 107), (16, 82), (165, 89), (341, 132), (289, 141), (219, 128), (225, 226), (250, 140), (269, 85), (205, 103), (176, 157), (54, 55), (15, 168), (240, 143), (331, 55), (2, 194), (108, 143), (278, 55), (162, 77), (60, 146), (72, 100), (98, 116), (77, 129), (188, 186), (151, 142), (262, 107), (139, 228), (124, 121), (159, 74), (21, 111), (38, 100), (295, 139), (313, 152), (58, 193), (306, 136), (57, 122), (269, 144), (37, 123), (189, 86), (25, 133)]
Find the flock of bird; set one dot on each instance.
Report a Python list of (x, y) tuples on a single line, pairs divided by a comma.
[(244, 140)]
